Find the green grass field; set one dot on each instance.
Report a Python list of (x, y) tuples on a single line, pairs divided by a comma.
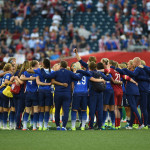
[(75, 140)]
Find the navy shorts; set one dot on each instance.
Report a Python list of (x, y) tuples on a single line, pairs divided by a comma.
[(109, 97), (45, 98), (5, 101), (125, 101), (79, 102), (31, 99)]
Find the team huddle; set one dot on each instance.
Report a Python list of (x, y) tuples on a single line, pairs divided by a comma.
[(93, 91)]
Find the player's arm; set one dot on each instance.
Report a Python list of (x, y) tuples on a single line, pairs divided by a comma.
[(127, 78), (7, 81), (41, 83), (18, 79), (147, 69), (72, 86), (84, 64), (24, 78), (116, 82), (48, 76), (3, 85), (107, 78), (53, 81), (3, 73), (76, 77), (143, 78), (85, 73), (97, 80), (30, 71), (132, 73)]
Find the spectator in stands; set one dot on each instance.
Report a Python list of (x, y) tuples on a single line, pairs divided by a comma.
[(35, 34), (27, 10), (82, 44), (46, 34), (44, 11), (1, 11), (115, 42), (16, 37), (31, 43), (88, 5), (70, 11), (53, 37), (108, 43), (148, 6), (70, 31), (94, 32), (148, 26), (73, 45), (117, 17), (110, 7), (80, 6), (65, 51), (3, 36), (101, 44), (38, 4), (56, 18), (7, 10), (100, 5), (53, 27), (119, 29), (83, 32), (139, 30), (125, 9), (126, 26), (62, 35), (131, 43), (144, 41), (56, 54)]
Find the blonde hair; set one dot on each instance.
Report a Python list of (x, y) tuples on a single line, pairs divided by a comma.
[(122, 66), (7, 67), (77, 66), (105, 60), (143, 62)]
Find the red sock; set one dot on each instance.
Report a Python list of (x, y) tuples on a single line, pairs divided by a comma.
[(116, 122)]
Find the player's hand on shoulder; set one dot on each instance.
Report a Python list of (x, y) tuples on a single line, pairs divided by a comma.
[(141, 66), (65, 84), (75, 50)]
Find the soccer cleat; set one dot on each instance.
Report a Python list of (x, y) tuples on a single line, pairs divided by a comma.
[(112, 127), (106, 124), (11, 128), (90, 128), (146, 127), (53, 121), (135, 126), (73, 129), (40, 129), (119, 127), (82, 128), (60, 121), (45, 129), (116, 128), (63, 129), (140, 127), (58, 128), (25, 129), (103, 128), (5, 128), (110, 124), (129, 128)]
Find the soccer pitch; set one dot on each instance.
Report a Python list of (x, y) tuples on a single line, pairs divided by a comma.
[(74, 140)]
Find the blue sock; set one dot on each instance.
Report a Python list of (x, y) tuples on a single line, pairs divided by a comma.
[(1, 116), (104, 117), (12, 117), (46, 119), (35, 119), (73, 118), (25, 117), (112, 116), (73, 115), (41, 117), (5, 115), (31, 119)]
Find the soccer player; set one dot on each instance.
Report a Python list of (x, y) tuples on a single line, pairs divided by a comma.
[(31, 95), (62, 95), (143, 87), (7, 81), (80, 96), (132, 94)]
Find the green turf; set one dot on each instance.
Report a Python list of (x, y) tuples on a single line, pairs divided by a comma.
[(75, 140)]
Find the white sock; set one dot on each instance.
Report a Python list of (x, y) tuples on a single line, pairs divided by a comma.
[(1, 123), (34, 125), (60, 117), (83, 123), (73, 122), (45, 124), (40, 124), (24, 124)]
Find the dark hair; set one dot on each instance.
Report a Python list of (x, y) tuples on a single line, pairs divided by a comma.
[(92, 58), (25, 66), (63, 64), (92, 65), (47, 65), (34, 63), (100, 66), (2, 65)]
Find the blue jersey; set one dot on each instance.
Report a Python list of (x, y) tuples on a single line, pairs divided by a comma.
[(6, 76), (31, 85), (123, 85), (42, 79), (81, 86)]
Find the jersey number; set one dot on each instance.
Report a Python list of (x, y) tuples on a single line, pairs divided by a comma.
[(83, 81), (117, 77)]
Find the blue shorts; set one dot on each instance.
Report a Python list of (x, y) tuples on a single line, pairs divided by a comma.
[(125, 101), (5, 101), (79, 102), (109, 97), (45, 98), (31, 99)]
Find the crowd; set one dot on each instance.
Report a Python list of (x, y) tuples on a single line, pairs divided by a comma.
[(131, 19), (91, 89)]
